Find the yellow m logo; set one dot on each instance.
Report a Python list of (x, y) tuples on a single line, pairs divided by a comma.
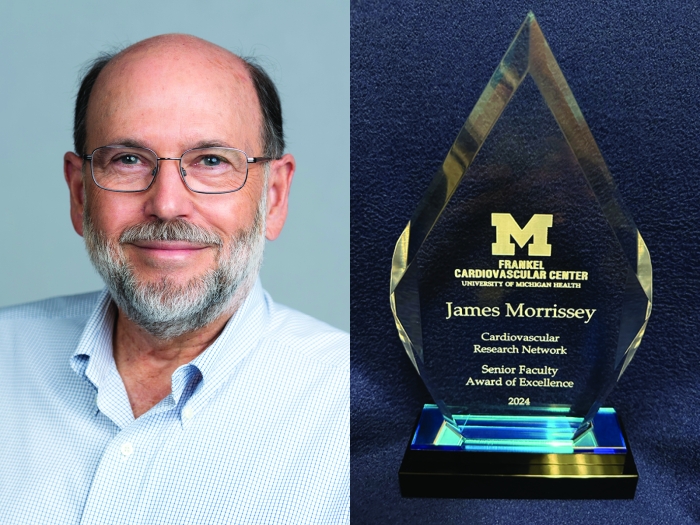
[(536, 229)]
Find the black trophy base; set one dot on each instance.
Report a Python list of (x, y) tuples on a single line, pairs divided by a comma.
[(433, 470)]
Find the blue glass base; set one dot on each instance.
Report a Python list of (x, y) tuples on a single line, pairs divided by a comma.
[(532, 434), (518, 457)]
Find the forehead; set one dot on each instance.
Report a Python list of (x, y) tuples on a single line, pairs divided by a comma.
[(172, 95)]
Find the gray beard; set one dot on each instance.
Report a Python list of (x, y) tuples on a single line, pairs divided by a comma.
[(167, 310)]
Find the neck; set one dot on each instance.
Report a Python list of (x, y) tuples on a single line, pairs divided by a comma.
[(146, 363)]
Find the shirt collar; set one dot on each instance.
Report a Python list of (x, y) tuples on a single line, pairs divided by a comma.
[(94, 360), (94, 351), (240, 335)]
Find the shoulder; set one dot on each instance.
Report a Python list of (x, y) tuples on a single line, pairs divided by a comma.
[(69, 306), (309, 337), (37, 338)]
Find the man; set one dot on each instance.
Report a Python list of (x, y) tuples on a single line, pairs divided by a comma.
[(182, 393)]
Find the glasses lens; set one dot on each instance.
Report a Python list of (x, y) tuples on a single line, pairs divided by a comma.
[(215, 170), (123, 169)]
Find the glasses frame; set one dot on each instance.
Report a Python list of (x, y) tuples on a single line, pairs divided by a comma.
[(249, 160)]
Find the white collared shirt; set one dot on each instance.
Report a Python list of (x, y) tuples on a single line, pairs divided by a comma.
[(255, 430)]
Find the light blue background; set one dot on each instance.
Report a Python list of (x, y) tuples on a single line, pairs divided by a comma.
[(305, 48)]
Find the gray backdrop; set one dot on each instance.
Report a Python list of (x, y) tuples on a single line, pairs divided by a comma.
[(304, 46)]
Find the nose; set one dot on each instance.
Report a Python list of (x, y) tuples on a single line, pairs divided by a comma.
[(169, 198)]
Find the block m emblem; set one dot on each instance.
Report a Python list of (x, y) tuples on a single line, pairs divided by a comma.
[(536, 229)]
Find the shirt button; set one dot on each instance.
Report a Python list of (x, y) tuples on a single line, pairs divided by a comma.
[(187, 413), (127, 449)]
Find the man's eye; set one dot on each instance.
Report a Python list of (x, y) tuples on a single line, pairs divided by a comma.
[(211, 161), (128, 159)]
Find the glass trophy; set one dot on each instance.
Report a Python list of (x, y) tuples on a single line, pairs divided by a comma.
[(521, 290)]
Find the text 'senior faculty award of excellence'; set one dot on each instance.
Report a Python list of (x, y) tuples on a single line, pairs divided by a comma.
[(521, 290)]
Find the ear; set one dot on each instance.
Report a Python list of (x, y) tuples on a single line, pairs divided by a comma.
[(278, 184), (73, 172)]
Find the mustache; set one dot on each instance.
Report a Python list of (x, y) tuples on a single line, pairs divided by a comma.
[(174, 230)]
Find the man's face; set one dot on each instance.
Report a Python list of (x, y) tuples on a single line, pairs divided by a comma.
[(170, 99)]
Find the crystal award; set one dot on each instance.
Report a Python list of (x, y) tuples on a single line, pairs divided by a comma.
[(521, 289)]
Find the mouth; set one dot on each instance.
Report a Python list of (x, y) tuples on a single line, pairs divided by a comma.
[(169, 245), (170, 250)]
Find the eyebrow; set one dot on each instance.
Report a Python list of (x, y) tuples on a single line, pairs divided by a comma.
[(131, 143), (211, 144)]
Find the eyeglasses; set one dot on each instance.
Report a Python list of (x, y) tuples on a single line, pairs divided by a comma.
[(203, 170)]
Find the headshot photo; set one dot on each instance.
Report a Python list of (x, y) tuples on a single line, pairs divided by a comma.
[(174, 300)]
